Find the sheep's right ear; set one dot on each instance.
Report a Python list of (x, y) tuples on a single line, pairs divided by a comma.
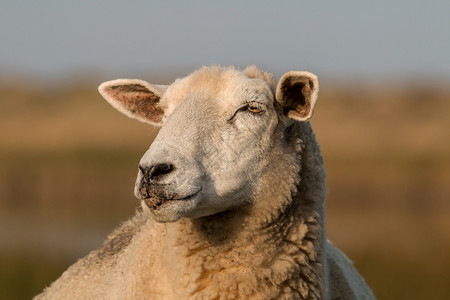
[(135, 98)]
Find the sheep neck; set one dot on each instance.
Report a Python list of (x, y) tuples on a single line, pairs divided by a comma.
[(274, 247)]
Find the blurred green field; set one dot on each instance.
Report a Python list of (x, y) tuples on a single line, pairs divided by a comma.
[(68, 163)]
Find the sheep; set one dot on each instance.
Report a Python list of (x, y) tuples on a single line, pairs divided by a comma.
[(232, 192)]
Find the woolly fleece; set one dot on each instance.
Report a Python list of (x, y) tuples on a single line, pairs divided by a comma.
[(273, 248)]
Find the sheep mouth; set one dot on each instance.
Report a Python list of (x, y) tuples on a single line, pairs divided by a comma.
[(157, 203)]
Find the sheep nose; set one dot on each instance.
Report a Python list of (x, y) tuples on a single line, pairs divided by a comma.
[(157, 171)]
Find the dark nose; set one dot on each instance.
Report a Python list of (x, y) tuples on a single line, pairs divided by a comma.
[(156, 172)]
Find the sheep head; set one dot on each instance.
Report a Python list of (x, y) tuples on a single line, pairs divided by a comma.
[(220, 128)]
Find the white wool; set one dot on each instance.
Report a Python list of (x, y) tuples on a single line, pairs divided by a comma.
[(233, 192)]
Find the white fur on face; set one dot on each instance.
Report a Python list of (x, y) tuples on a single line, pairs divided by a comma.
[(219, 129), (216, 143)]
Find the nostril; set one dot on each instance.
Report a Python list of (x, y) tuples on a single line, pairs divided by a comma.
[(142, 169), (159, 170)]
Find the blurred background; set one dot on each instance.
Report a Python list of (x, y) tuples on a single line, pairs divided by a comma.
[(68, 160)]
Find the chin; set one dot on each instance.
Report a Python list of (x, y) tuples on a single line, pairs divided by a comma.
[(171, 210)]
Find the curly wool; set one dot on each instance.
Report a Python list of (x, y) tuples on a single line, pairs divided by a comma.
[(273, 248)]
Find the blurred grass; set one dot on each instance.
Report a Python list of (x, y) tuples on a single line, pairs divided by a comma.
[(68, 163), (23, 276)]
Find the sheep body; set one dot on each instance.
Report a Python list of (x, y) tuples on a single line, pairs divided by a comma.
[(273, 248)]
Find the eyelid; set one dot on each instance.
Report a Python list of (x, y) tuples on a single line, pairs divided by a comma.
[(255, 103), (246, 105)]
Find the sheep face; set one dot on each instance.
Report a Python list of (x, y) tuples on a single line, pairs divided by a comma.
[(219, 129)]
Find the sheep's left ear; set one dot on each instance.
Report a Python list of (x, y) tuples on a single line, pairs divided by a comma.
[(297, 93)]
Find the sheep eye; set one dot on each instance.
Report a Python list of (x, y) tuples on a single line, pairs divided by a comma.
[(251, 108), (254, 109)]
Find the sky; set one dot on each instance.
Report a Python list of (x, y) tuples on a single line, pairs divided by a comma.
[(341, 38)]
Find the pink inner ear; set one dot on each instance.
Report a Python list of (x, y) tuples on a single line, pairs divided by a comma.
[(130, 88), (138, 101)]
